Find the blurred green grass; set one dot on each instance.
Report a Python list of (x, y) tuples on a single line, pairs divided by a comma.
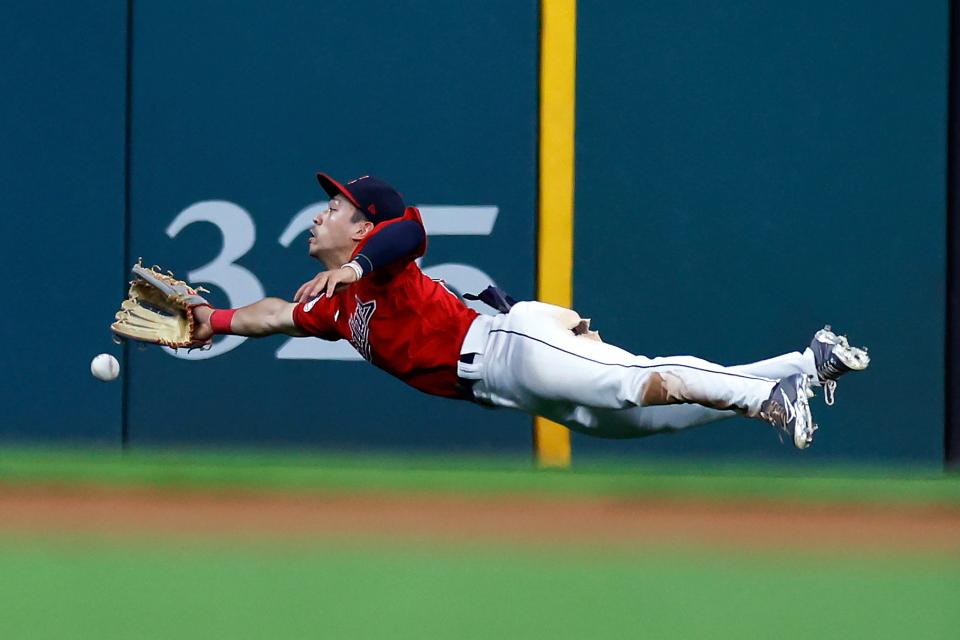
[(306, 472), (99, 589), (60, 585)]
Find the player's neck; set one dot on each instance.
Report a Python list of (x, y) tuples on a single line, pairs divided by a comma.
[(335, 258)]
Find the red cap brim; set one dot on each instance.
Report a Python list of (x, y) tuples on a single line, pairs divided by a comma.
[(333, 188)]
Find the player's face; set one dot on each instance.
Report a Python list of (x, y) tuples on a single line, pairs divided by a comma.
[(334, 229)]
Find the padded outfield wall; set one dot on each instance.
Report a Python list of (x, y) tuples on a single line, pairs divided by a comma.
[(232, 108), (744, 174), (233, 112), (61, 215), (748, 171)]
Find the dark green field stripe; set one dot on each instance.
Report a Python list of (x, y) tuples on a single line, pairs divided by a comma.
[(316, 472)]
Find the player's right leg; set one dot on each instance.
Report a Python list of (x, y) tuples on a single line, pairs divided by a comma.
[(833, 356), (828, 357)]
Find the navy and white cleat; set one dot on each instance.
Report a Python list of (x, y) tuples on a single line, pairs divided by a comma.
[(788, 409), (834, 357)]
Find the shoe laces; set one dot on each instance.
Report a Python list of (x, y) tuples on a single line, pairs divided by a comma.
[(831, 368), (776, 414), (828, 372), (829, 391)]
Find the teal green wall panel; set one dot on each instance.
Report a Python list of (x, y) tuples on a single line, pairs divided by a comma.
[(245, 105), (748, 171), (61, 215)]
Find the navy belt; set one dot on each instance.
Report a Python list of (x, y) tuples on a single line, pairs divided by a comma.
[(465, 383)]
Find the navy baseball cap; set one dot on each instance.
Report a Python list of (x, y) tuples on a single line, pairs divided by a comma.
[(374, 197)]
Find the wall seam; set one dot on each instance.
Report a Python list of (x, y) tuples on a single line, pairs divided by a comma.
[(951, 437), (127, 217)]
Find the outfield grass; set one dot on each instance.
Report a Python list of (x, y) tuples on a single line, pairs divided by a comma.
[(299, 472), (116, 588), (93, 589)]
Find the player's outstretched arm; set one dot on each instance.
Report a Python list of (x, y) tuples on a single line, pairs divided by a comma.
[(264, 318)]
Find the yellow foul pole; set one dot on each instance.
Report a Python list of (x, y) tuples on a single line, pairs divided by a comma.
[(558, 55)]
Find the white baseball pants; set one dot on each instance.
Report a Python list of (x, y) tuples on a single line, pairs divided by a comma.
[(531, 359)]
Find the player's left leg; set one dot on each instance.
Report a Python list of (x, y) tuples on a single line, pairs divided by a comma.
[(533, 359), (639, 422)]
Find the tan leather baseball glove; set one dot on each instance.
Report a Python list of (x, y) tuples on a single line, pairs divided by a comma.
[(159, 309)]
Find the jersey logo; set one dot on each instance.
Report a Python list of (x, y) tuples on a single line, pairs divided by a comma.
[(360, 327)]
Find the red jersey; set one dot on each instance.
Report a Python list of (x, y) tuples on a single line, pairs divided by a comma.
[(402, 321)]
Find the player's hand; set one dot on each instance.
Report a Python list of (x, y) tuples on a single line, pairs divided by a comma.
[(202, 331), (325, 283)]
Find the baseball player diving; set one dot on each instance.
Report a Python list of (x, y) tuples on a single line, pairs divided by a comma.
[(532, 356)]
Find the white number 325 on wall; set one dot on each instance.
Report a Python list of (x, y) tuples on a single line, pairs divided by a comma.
[(242, 287)]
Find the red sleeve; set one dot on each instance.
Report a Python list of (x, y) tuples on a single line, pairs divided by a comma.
[(315, 317)]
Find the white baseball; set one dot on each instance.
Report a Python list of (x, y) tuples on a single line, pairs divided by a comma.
[(105, 367)]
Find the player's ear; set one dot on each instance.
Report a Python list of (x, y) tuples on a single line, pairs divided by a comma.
[(362, 230)]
